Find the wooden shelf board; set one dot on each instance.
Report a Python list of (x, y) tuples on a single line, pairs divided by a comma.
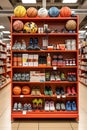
[(2, 86), (83, 83)]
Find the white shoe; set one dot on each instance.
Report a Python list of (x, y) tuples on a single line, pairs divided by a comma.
[(47, 106)]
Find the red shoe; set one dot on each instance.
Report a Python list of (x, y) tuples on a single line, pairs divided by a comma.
[(73, 91), (69, 91)]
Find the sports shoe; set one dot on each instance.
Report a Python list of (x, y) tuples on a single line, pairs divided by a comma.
[(63, 78), (15, 107), (69, 77), (30, 47), (23, 46), (50, 92), (19, 106), (51, 104), (74, 77), (52, 77), (73, 91), (40, 106), (36, 47), (58, 106), (73, 106), (47, 106), (25, 107), (35, 104), (62, 106), (29, 107), (47, 76), (58, 91), (57, 77), (69, 91), (68, 106), (62, 91)]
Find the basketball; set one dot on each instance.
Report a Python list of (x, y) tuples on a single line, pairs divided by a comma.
[(71, 25), (32, 12), (18, 25), (25, 90), (20, 11), (30, 27), (17, 90), (53, 12), (42, 12), (65, 12)]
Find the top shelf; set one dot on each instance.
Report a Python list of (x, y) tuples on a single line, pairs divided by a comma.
[(44, 18)]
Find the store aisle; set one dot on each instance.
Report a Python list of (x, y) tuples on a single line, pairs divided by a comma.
[(43, 124)]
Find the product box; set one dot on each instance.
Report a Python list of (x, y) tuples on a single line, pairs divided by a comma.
[(35, 60), (25, 59), (30, 60)]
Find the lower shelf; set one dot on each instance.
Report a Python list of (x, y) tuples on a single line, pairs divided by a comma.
[(44, 114), (6, 83)]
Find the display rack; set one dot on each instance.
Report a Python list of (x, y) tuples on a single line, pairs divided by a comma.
[(67, 70), (3, 80), (83, 64)]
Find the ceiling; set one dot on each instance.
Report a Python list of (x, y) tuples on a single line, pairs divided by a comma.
[(7, 7)]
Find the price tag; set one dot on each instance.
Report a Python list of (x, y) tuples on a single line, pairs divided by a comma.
[(24, 112), (58, 96), (63, 96), (54, 67), (21, 96)]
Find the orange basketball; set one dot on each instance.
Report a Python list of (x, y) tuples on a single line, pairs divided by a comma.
[(32, 12), (25, 90), (18, 25), (17, 90), (65, 12)]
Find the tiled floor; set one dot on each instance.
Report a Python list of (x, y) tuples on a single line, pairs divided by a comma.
[(41, 124)]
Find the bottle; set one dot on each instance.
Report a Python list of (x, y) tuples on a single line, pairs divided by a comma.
[(48, 60)]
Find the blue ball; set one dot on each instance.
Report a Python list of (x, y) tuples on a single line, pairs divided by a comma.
[(53, 12)]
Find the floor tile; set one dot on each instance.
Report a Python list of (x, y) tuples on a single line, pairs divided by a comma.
[(27, 128), (52, 128)]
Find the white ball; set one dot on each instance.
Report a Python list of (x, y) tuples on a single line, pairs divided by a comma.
[(42, 12)]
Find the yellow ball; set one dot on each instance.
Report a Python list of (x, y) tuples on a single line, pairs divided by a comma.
[(19, 11)]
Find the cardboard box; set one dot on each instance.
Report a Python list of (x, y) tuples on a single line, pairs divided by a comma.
[(30, 60), (25, 59)]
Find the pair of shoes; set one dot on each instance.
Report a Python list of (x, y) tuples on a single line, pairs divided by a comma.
[(60, 91), (60, 106), (33, 44), (71, 106), (17, 106), (55, 77), (37, 104), (27, 107), (48, 91), (49, 106), (71, 77), (71, 91), (35, 92)]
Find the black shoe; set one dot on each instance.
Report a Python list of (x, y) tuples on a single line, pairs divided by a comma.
[(36, 47), (30, 47)]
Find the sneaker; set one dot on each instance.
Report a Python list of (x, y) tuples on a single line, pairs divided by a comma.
[(46, 91), (63, 78), (69, 91), (23, 46), (35, 104), (36, 47), (73, 91), (47, 106), (50, 92), (15, 107), (58, 91), (25, 107), (73, 106), (52, 77), (69, 77), (74, 77), (40, 106), (47, 76), (19, 106), (29, 107), (52, 107), (63, 106), (62, 91), (57, 77), (58, 106), (68, 106), (30, 47), (33, 92)]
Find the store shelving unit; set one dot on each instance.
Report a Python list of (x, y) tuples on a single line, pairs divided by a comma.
[(83, 65), (54, 38), (3, 80)]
